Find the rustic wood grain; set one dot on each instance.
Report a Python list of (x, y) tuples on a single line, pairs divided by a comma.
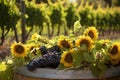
[(54, 74)]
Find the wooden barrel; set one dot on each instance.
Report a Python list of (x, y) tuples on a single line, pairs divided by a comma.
[(53, 74)]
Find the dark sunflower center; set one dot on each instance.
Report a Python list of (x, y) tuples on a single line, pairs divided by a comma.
[(84, 42), (114, 50), (65, 44), (68, 58), (32, 47), (91, 34), (19, 49)]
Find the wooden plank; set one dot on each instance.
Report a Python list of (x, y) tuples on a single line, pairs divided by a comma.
[(50, 74)]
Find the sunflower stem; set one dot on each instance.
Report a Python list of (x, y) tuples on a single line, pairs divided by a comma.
[(74, 68)]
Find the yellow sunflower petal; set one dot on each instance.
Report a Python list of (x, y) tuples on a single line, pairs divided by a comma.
[(67, 59), (35, 36), (84, 42), (114, 51), (114, 62), (18, 50), (92, 32), (64, 43), (3, 66)]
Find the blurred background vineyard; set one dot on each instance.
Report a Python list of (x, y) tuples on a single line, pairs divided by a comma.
[(19, 19)]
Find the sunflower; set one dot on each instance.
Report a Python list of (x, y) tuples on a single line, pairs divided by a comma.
[(102, 44), (67, 59), (84, 42), (35, 36), (115, 62), (18, 50), (31, 46), (65, 43), (92, 32), (114, 51)]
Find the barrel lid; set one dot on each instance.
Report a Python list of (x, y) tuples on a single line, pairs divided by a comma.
[(63, 74)]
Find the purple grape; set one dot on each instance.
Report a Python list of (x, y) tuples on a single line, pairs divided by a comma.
[(43, 50), (51, 59)]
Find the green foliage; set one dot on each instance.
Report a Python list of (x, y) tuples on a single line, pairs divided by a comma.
[(98, 69), (116, 2), (9, 14), (60, 13), (61, 66), (71, 16), (111, 18), (107, 19), (2, 66), (98, 66), (35, 15), (78, 57), (4, 13), (6, 71), (88, 57), (87, 16), (14, 15), (117, 18), (96, 59), (56, 15), (101, 19)]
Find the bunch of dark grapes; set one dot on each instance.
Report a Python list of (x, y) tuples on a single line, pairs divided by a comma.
[(54, 48), (43, 50), (51, 59)]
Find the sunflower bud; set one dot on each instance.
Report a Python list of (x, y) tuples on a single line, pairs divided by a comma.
[(9, 61), (98, 55)]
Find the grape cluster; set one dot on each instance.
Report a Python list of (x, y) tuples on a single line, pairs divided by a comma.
[(54, 48), (45, 50), (50, 58)]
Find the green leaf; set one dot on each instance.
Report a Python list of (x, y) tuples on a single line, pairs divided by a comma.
[(77, 25), (77, 58), (94, 70), (98, 45), (102, 67), (7, 74), (88, 57), (61, 66), (3, 66), (98, 68)]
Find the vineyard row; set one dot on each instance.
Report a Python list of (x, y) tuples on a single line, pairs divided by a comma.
[(59, 14)]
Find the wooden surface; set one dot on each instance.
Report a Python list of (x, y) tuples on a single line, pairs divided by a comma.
[(24, 77), (53, 74)]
